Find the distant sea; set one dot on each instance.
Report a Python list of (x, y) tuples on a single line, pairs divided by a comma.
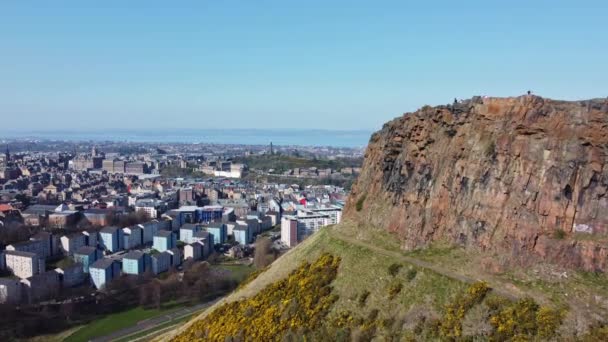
[(303, 137)]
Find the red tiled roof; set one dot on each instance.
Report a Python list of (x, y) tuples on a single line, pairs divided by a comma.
[(6, 207)]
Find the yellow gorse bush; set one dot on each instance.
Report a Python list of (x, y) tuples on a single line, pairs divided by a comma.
[(451, 324), (298, 303)]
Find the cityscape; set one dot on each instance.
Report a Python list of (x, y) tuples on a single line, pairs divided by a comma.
[(286, 171), (77, 217)]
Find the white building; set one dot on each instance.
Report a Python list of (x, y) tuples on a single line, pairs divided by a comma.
[(71, 243), (193, 251), (24, 264), (310, 222), (187, 232), (334, 212)]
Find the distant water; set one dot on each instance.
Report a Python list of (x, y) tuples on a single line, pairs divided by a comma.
[(219, 136)]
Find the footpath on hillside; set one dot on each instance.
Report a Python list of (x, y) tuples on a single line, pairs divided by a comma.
[(422, 264)]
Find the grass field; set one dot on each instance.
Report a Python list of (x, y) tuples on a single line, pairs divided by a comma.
[(238, 272), (111, 323)]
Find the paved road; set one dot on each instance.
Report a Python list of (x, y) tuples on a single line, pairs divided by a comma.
[(154, 322)]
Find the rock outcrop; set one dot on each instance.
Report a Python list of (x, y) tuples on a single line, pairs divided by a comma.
[(522, 176)]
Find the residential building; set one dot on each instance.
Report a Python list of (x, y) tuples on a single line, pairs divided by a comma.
[(134, 262), (265, 223), (241, 234), (333, 212), (103, 271), (111, 239), (206, 239), (132, 236), (86, 256), (289, 230), (160, 262), (37, 247), (91, 237), (187, 231), (163, 240), (10, 291), (275, 217), (149, 228), (185, 196), (71, 243), (310, 222), (218, 231), (211, 213), (97, 217), (50, 243), (151, 206), (63, 219), (254, 226), (135, 168), (72, 275), (193, 251), (176, 256), (23, 264), (41, 286)]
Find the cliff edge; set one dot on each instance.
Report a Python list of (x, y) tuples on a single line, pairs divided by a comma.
[(523, 176)]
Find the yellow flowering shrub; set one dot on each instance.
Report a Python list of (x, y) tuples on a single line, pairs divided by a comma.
[(451, 324), (525, 319), (298, 303)]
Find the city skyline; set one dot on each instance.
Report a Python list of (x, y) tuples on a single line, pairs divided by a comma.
[(345, 65), (285, 137)]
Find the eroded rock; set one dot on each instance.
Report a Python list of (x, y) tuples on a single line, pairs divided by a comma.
[(522, 175)]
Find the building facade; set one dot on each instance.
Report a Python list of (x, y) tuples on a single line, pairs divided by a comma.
[(289, 230), (23, 264), (103, 271), (163, 241)]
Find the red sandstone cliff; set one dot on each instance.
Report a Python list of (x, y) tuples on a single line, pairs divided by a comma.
[(526, 176)]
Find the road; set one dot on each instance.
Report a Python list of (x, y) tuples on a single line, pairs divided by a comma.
[(154, 322)]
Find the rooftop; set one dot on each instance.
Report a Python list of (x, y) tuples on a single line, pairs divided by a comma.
[(110, 229), (21, 254), (215, 225), (135, 255), (102, 263), (163, 233), (85, 250)]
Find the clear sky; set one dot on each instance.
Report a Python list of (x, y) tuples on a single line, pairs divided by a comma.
[(285, 64)]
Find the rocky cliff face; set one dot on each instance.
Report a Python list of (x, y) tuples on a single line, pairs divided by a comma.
[(524, 176)]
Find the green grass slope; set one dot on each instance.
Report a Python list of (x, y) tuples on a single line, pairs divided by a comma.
[(382, 291)]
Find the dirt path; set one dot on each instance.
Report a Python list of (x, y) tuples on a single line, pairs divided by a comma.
[(498, 288)]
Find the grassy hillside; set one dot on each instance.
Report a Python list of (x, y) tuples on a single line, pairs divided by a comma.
[(382, 292)]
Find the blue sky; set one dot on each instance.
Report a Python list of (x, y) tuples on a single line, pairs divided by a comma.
[(285, 64)]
